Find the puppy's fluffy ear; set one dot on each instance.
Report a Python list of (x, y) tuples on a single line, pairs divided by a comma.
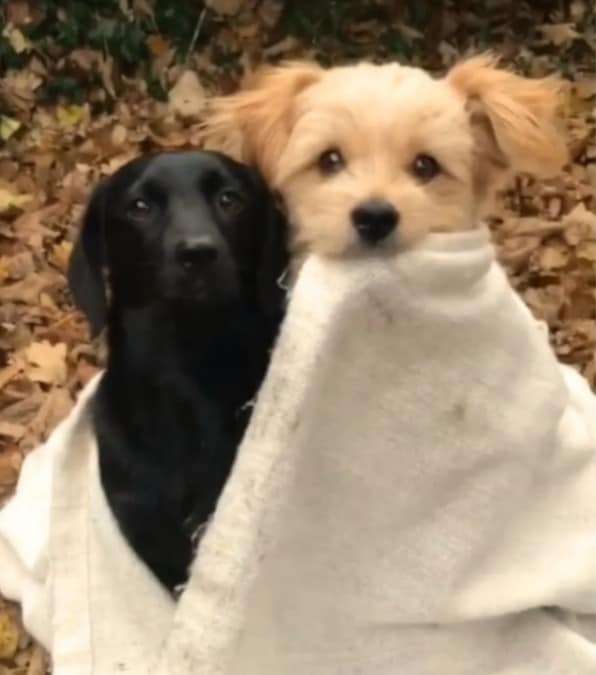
[(85, 269), (513, 117), (254, 124)]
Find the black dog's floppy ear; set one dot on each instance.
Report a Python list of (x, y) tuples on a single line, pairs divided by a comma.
[(85, 269)]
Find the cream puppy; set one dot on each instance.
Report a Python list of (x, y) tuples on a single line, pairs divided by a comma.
[(379, 155)]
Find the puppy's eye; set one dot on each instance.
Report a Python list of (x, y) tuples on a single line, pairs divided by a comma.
[(425, 167), (230, 202), (139, 209), (331, 161)]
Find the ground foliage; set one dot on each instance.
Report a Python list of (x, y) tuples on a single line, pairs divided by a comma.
[(88, 85)]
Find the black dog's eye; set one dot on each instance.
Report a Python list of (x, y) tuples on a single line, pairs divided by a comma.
[(230, 202), (331, 161), (425, 167), (139, 209)]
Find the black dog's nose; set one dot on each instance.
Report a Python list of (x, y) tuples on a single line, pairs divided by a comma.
[(374, 220), (196, 252)]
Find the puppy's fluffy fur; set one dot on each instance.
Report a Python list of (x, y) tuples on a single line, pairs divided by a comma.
[(480, 123)]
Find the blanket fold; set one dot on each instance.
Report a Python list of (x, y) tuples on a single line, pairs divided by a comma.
[(415, 494)]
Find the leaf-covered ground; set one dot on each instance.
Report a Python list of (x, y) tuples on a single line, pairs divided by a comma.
[(54, 147)]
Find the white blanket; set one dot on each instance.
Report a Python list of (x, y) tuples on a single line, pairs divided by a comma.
[(415, 495)]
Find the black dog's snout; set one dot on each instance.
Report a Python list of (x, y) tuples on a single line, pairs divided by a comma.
[(374, 220), (196, 252)]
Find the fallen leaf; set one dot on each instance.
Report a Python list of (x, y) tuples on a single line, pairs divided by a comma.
[(19, 13), (586, 250), (157, 45), (17, 40), (8, 127), (187, 96), (119, 135), (580, 224), (226, 7), (270, 12), (60, 255), (287, 44), (70, 115), (18, 88), (585, 87), (27, 290), (551, 258), (9, 372), (38, 662), (559, 33), (47, 362), (9, 636), (85, 58), (18, 266), (143, 8), (10, 200), (12, 430)]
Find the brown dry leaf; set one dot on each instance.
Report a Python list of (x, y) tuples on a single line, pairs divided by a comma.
[(28, 290), (225, 7), (12, 430), (46, 362), (85, 58), (9, 636), (552, 258), (559, 33), (546, 302), (187, 97), (585, 87), (59, 405), (143, 8), (106, 71), (12, 200), (38, 662), (8, 473), (580, 224), (586, 250), (157, 45), (4, 269), (18, 88), (18, 266), (19, 12)]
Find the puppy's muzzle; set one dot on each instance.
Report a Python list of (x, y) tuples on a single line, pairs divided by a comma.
[(374, 220), (196, 253)]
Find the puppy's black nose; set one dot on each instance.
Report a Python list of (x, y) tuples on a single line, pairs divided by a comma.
[(196, 252), (374, 220)]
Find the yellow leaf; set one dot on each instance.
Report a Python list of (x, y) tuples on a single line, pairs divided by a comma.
[(9, 636), (10, 200), (60, 255), (47, 362), (3, 269), (16, 39), (70, 115), (8, 127)]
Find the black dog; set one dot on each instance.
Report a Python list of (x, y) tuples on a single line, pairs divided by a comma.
[(193, 249)]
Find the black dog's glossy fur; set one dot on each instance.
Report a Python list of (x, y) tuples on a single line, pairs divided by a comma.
[(193, 247)]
